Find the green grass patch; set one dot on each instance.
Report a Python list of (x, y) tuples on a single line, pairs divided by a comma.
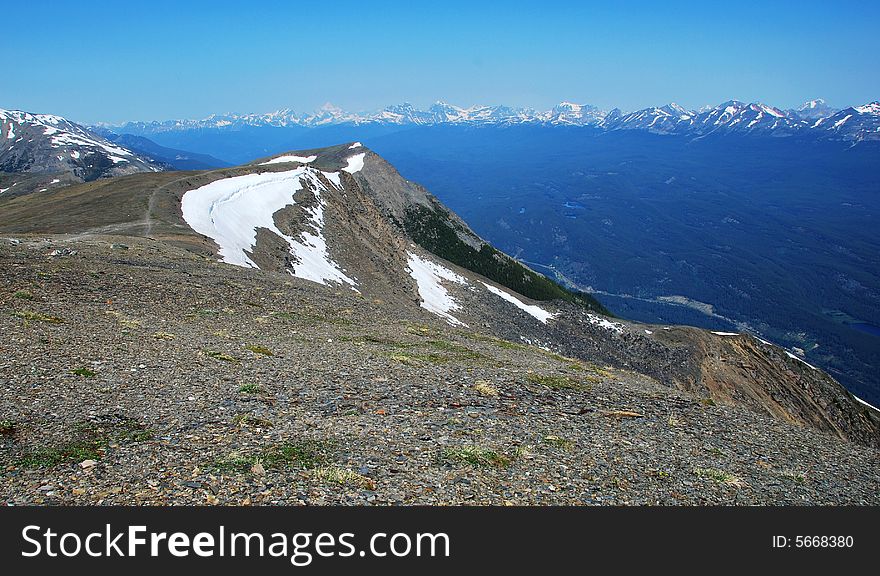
[(39, 317), (503, 344), (557, 442), (251, 420), (7, 427), (250, 388), (262, 350), (387, 342), (555, 382), (87, 442), (234, 464), (342, 477), (23, 295), (719, 476), (303, 453), (84, 372), (221, 356), (796, 477)]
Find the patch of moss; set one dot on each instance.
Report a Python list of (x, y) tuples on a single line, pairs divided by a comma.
[(23, 295), (84, 372), (250, 388)]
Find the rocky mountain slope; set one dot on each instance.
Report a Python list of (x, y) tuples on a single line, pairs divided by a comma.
[(732, 117), (45, 151), (137, 372), (185, 327)]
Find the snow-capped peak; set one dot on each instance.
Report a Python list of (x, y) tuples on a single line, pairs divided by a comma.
[(769, 110), (870, 108), (811, 104)]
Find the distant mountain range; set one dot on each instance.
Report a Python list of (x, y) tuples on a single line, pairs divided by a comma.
[(814, 119)]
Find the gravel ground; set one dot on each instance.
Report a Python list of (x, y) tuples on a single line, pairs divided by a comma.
[(132, 372)]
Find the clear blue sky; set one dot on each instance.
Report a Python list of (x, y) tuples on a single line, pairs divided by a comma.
[(115, 61)]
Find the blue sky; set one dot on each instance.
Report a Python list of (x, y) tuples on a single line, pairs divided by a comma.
[(116, 61)]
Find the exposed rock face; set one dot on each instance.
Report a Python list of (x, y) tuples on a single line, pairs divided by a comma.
[(742, 370), (346, 210)]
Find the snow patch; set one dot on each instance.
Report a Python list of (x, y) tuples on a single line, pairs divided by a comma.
[(229, 211), (355, 163), (435, 297), (68, 139), (355, 145), (334, 178), (314, 259), (726, 333), (536, 311), (605, 323), (842, 121), (799, 359), (872, 108), (860, 401), (290, 158)]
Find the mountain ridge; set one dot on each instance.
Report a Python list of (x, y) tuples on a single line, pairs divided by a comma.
[(43, 151), (343, 217), (728, 117)]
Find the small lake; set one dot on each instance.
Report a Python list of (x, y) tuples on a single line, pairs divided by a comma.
[(865, 327)]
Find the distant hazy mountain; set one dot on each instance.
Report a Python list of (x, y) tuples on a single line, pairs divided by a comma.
[(176, 159), (813, 110), (731, 117)]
